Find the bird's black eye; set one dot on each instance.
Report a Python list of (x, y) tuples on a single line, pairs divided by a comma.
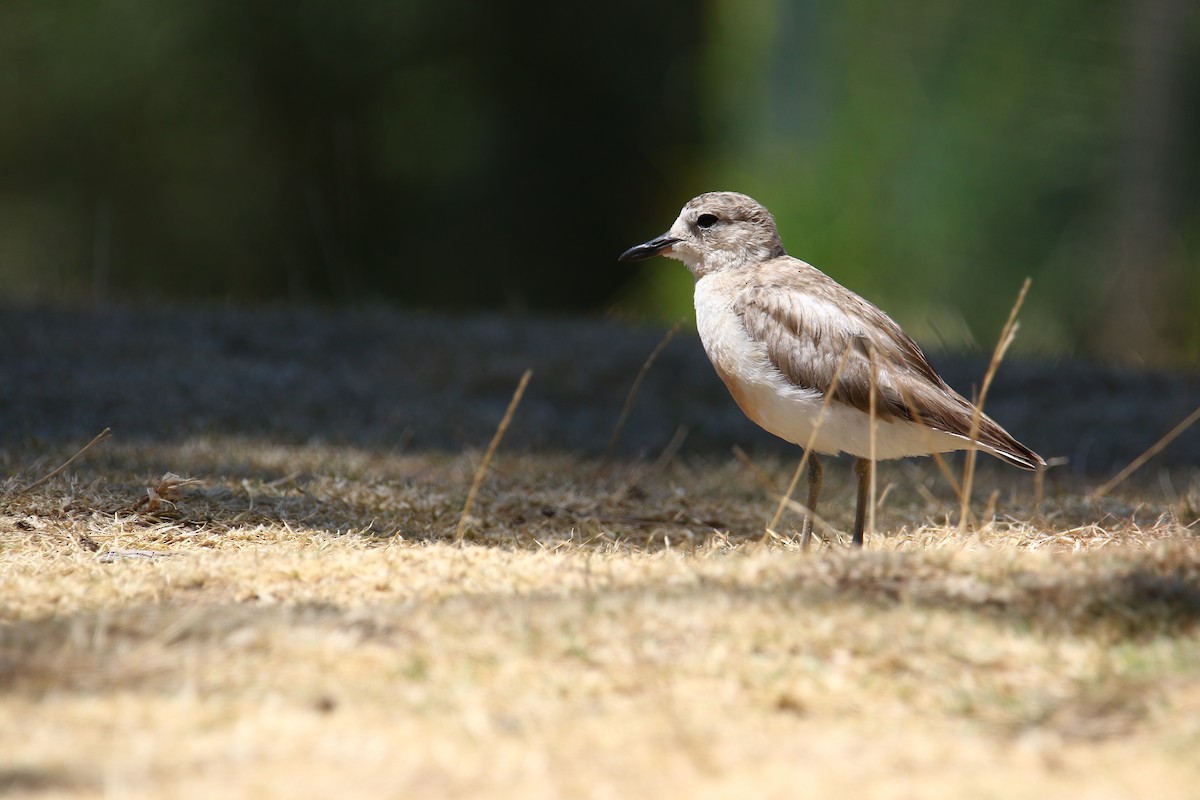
[(706, 220)]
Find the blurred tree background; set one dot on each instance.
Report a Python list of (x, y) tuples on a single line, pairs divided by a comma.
[(462, 154)]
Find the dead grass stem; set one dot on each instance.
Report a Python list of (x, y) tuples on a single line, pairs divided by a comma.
[(631, 397), (1152, 451), (100, 437), (460, 529), (872, 395), (1007, 334)]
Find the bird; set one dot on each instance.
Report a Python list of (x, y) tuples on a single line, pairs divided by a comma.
[(809, 360)]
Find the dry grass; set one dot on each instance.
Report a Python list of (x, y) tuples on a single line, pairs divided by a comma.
[(297, 621)]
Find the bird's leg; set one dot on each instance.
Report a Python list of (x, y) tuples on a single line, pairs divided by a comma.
[(862, 467), (814, 491)]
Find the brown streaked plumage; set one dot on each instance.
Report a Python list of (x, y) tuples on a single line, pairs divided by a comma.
[(776, 330)]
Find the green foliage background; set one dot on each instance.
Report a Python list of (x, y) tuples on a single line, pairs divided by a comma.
[(468, 155), (932, 156)]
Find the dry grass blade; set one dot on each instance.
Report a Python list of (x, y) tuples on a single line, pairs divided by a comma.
[(766, 480), (787, 495), (791, 487), (871, 401), (101, 436), (487, 456), (640, 474), (671, 449), (1154, 449), (828, 531), (1007, 334), (633, 390)]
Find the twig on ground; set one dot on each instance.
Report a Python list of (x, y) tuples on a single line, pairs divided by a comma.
[(634, 389), (167, 490), (1007, 334), (1146, 456), (104, 434), (487, 456), (113, 556)]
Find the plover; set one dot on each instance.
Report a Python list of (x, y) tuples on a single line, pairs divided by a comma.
[(777, 330)]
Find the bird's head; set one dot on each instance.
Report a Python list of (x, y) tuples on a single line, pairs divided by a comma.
[(714, 232)]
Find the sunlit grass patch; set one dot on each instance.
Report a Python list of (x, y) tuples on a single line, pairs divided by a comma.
[(274, 613)]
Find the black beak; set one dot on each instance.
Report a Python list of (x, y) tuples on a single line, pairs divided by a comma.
[(648, 250)]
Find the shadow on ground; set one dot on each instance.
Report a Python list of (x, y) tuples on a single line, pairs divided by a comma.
[(395, 381)]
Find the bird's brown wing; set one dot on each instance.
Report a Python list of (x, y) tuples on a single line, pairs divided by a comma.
[(808, 324)]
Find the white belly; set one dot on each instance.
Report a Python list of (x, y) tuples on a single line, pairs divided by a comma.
[(790, 412)]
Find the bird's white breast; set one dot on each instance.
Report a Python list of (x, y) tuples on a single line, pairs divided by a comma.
[(786, 410)]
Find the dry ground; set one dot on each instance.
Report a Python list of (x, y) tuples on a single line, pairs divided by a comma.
[(296, 620), (313, 630)]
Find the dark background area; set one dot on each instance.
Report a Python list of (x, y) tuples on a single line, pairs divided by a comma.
[(462, 155), (451, 154)]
